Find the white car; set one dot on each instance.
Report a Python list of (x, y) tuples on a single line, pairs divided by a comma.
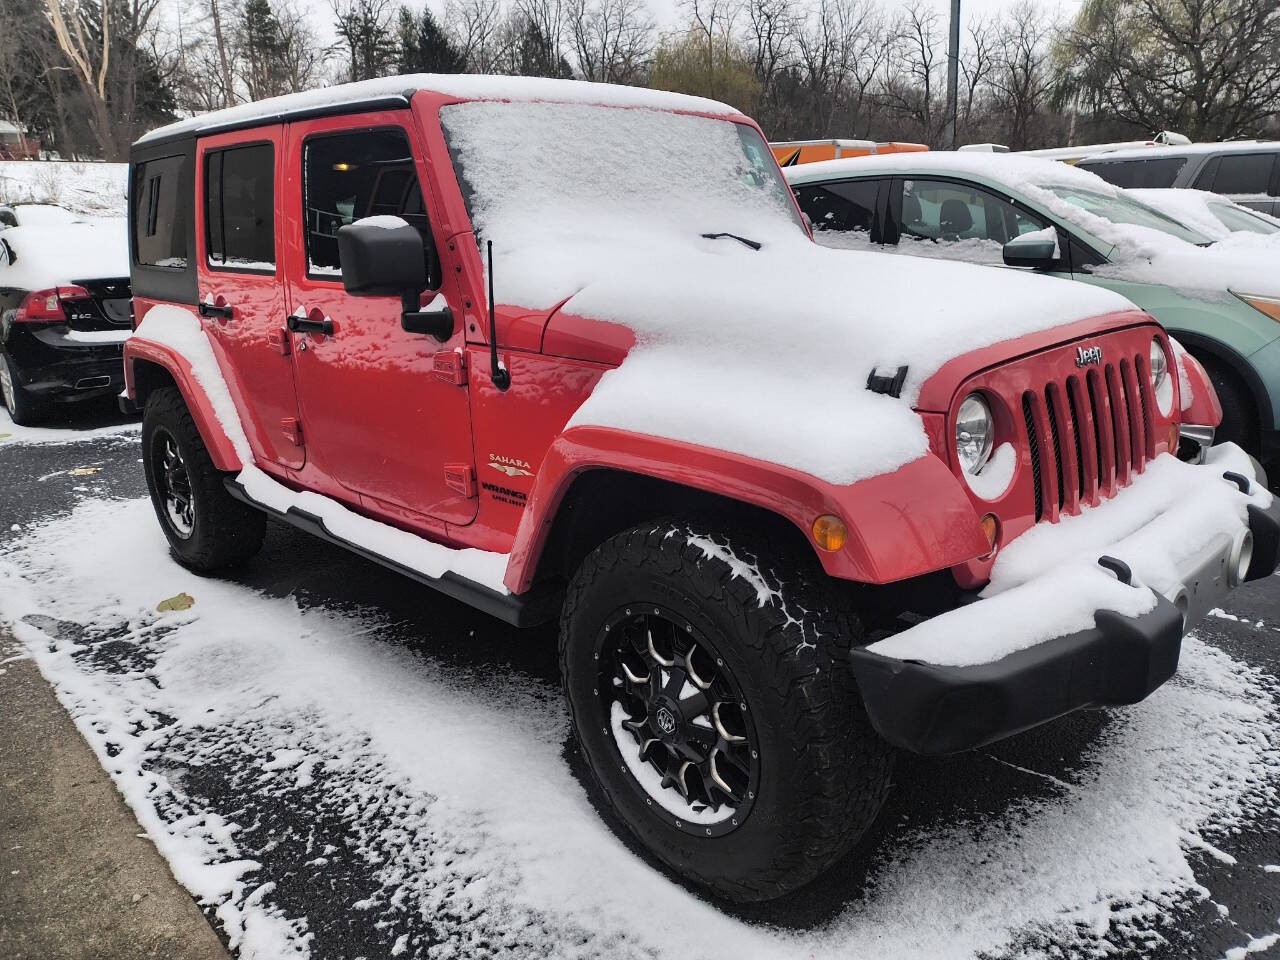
[(35, 215), (1212, 214)]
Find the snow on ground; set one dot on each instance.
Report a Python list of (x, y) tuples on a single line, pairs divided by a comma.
[(451, 786), (88, 188), (10, 432)]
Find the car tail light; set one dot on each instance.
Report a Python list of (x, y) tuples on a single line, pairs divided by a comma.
[(45, 306)]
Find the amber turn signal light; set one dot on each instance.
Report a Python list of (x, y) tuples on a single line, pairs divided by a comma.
[(1174, 438), (991, 527), (830, 533)]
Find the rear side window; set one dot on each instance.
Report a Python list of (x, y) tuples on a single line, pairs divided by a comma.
[(847, 207), (1156, 172), (239, 208), (350, 176), (160, 213), (1238, 173)]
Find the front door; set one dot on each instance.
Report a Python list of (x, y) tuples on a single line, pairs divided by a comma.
[(241, 284), (378, 418)]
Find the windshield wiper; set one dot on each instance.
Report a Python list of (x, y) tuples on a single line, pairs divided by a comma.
[(753, 244)]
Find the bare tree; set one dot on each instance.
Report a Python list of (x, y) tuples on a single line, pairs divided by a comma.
[(1020, 74), (910, 88), (477, 30), (89, 61), (612, 40)]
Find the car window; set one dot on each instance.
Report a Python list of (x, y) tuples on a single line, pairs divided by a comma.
[(1240, 174), (160, 216), (239, 208), (1155, 172), (1123, 209), (350, 176), (7, 218), (847, 207), (945, 213), (1234, 218)]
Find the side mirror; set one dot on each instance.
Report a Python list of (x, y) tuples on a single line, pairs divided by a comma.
[(1037, 250), (385, 257)]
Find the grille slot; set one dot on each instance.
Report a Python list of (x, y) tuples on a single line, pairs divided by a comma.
[(1033, 444), (1056, 433), (1081, 426)]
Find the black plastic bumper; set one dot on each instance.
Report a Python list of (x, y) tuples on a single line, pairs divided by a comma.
[(931, 709)]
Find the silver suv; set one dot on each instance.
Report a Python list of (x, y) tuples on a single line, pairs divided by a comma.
[(1248, 172)]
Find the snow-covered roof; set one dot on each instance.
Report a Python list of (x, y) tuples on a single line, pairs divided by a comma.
[(1010, 168), (463, 86), (1191, 149), (7, 127)]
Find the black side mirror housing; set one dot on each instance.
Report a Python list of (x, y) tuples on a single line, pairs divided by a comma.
[(386, 257), (1032, 250), (381, 258)]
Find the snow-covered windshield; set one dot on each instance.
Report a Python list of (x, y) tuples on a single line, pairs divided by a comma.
[(1243, 220), (607, 173), (1120, 209)]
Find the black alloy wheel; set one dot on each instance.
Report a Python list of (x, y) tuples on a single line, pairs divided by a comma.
[(173, 485), (678, 720)]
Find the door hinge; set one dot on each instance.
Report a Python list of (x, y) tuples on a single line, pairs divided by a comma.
[(292, 428), (279, 340), (451, 366), (460, 477)]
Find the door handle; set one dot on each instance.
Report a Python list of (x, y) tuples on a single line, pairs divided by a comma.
[(307, 325), (221, 311)]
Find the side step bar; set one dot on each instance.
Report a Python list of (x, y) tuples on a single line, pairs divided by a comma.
[(538, 606)]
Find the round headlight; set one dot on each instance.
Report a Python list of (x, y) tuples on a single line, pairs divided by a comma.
[(974, 433), (1161, 383)]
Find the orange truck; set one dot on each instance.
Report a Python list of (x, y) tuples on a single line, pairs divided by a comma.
[(789, 153)]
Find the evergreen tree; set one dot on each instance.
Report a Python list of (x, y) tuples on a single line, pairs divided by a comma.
[(425, 47), (261, 49)]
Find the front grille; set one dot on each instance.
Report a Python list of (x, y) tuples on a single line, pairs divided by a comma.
[(1088, 434)]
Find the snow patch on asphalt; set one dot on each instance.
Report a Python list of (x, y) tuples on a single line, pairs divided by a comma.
[(453, 792)]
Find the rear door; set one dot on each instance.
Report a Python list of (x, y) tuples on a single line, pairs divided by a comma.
[(241, 284), (381, 419)]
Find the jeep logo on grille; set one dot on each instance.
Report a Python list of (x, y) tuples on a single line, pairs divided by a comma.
[(1088, 355)]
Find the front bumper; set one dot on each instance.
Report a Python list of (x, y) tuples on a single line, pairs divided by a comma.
[(934, 709)]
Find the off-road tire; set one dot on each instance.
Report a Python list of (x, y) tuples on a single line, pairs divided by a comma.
[(823, 772), (24, 409), (225, 531)]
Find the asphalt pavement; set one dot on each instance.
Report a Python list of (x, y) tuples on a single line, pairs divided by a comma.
[(45, 480)]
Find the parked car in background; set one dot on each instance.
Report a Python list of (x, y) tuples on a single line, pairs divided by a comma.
[(1248, 172), (1212, 214), (1073, 155), (64, 314), (1013, 210), (34, 215), (403, 317)]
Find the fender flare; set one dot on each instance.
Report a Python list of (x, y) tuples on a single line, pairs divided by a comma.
[(221, 451), (912, 521), (1204, 409)]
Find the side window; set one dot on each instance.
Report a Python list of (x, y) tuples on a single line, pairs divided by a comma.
[(349, 176), (1243, 173), (946, 212), (835, 208), (160, 215), (239, 208)]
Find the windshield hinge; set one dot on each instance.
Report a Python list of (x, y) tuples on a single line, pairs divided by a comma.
[(887, 385)]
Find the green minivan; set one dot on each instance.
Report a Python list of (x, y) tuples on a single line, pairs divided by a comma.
[(1220, 299)]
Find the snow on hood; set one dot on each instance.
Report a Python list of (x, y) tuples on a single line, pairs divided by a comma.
[(763, 352), (1138, 254), (38, 258)]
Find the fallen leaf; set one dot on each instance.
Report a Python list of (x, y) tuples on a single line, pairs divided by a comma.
[(83, 471), (182, 601), (5, 436)]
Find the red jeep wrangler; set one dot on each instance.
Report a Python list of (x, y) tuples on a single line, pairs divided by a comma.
[(558, 349)]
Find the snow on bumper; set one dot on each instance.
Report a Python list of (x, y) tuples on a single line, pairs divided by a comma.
[(1057, 630)]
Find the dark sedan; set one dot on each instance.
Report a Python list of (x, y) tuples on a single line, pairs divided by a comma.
[(64, 315)]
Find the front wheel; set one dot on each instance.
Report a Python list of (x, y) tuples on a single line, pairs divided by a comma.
[(206, 527), (715, 707)]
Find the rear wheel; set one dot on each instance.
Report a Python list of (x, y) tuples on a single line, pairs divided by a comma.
[(206, 527), (23, 408), (715, 707)]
